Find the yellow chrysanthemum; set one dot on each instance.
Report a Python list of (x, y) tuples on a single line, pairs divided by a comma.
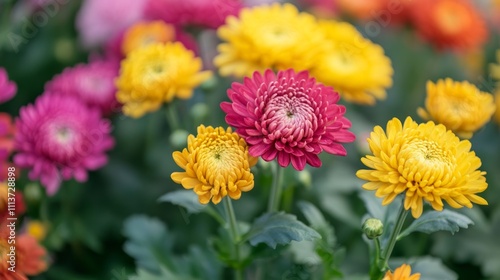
[(460, 106), (425, 162), (155, 74), (145, 33), (268, 36), (401, 273), (353, 65), (36, 229), (4, 194), (216, 164)]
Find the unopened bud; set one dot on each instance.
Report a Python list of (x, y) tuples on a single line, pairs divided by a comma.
[(373, 228), (305, 178), (199, 112), (178, 138)]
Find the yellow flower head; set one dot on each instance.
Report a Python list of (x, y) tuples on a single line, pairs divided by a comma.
[(145, 33), (497, 103), (155, 74), (460, 106), (425, 162), (4, 196), (36, 229), (402, 273), (353, 65), (216, 164), (268, 36)]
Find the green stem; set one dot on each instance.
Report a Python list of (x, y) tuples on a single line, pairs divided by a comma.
[(375, 271), (212, 212), (233, 226), (172, 119), (276, 188), (394, 234)]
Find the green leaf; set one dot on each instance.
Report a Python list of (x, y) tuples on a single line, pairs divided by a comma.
[(185, 198), (149, 242), (433, 221), (164, 274), (279, 228)]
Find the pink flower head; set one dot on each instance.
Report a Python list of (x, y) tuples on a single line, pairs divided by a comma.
[(99, 20), (206, 13), (60, 137), (93, 83), (288, 116), (7, 88)]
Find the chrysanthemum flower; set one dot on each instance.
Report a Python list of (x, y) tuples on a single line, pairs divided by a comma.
[(156, 74), (460, 106), (268, 37), (497, 104), (98, 21), (204, 13), (30, 257), (288, 116), (19, 206), (59, 136), (353, 65), (93, 83), (454, 24), (401, 273), (216, 163), (422, 162), (7, 88), (7, 132), (142, 34), (361, 9)]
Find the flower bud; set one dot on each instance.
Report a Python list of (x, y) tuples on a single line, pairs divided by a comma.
[(200, 111), (178, 138), (373, 228), (305, 178)]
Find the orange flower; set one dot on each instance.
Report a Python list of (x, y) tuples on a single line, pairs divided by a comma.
[(30, 258), (361, 9), (401, 273), (144, 33), (454, 24)]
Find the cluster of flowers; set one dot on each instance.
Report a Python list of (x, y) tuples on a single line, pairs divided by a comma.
[(447, 24)]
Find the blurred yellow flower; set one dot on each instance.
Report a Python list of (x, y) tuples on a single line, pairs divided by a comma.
[(495, 68), (425, 162), (36, 229), (268, 36), (460, 106), (401, 273), (216, 164), (142, 34), (155, 74), (353, 65), (497, 103)]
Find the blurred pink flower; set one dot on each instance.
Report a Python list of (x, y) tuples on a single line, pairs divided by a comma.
[(288, 116), (99, 20), (93, 83), (206, 13), (7, 88), (58, 137)]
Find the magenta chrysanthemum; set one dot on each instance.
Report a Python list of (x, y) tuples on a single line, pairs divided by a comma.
[(7, 88), (206, 13), (58, 137), (288, 116), (93, 83)]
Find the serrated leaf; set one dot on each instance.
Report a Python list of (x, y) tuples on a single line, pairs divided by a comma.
[(279, 228), (433, 221), (312, 214), (185, 198), (149, 242)]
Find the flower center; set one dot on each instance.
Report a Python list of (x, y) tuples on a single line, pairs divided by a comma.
[(63, 135)]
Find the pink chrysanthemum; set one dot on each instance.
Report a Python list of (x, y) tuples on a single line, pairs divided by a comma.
[(206, 13), (59, 137), (288, 116), (93, 83), (99, 20), (7, 88)]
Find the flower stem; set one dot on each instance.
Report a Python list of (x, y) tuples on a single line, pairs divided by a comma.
[(172, 119), (276, 188), (392, 240), (375, 271), (233, 226)]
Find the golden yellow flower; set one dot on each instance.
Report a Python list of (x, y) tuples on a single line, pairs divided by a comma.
[(268, 36), (155, 74), (422, 162), (460, 106), (36, 229), (142, 34), (357, 68), (4, 196), (216, 164), (401, 273)]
